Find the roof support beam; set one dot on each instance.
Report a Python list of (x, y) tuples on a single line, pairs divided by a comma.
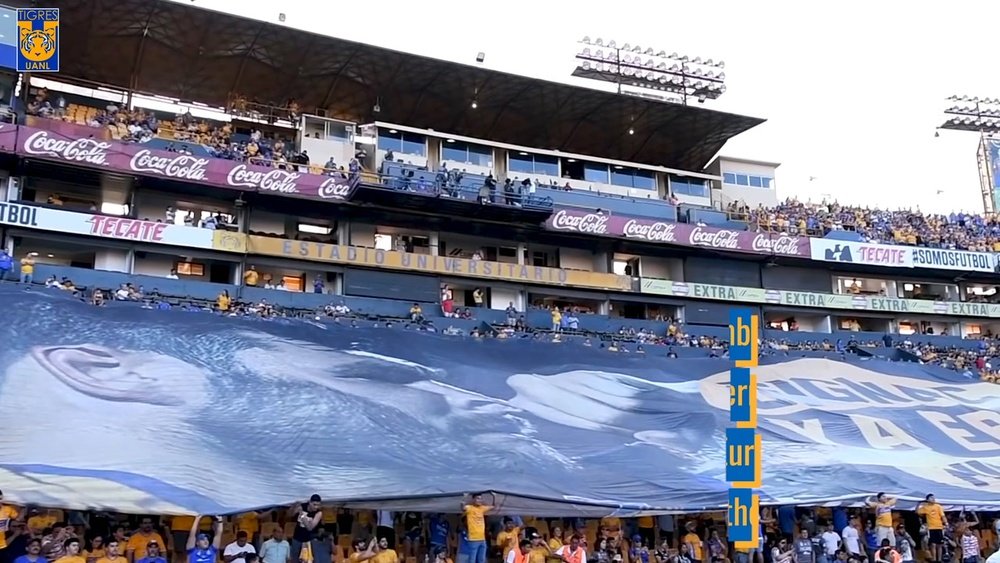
[(290, 91), (503, 109), (336, 78), (133, 81), (234, 89), (597, 107)]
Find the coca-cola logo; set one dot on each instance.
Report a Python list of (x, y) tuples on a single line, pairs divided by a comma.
[(650, 232), (721, 238), (590, 223), (179, 166), (777, 245), (89, 151), (332, 189), (281, 181)]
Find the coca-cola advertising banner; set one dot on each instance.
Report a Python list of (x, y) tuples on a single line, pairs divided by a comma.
[(8, 137), (650, 230), (137, 159)]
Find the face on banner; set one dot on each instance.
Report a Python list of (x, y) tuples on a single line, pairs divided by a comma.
[(585, 423)]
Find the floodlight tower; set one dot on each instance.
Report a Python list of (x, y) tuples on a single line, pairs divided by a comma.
[(690, 78), (980, 115)]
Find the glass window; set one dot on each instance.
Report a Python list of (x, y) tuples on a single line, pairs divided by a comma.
[(548, 165), (480, 155), (755, 181), (693, 188), (644, 180), (742, 180), (729, 178), (621, 177), (456, 152), (521, 163), (336, 130), (390, 141), (414, 144), (593, 172), (767, 182)]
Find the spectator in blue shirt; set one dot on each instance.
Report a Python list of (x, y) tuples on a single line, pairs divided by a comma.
[(200, 548), (153, 554), (6, 264), (439, 529), (33, 555)]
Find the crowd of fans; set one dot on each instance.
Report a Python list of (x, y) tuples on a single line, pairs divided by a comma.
[(184, 130), (313, 533), (959, 231)]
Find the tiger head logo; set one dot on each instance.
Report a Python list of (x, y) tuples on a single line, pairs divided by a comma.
[(38, 44)]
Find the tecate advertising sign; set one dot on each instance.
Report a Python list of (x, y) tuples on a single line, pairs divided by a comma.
[(104, 226)]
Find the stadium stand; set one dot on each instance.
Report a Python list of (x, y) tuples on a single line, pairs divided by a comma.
[(632, 328)]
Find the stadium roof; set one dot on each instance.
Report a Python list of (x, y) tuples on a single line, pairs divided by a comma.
[(185, 52)]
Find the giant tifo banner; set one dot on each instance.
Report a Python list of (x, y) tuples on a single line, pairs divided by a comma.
[(582, 221), (130, 158), (105, 226), (391, 418), (872, 254)]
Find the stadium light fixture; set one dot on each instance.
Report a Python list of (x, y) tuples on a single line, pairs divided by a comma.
[(687, 77), (979, 117)]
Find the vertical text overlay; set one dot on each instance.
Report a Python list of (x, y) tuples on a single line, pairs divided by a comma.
[(743, 444)]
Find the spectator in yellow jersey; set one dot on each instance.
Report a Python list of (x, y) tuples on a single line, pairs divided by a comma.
[(508, 538), (7, 516), (113, 554), (556, 538), (251, 277), (223, 301), (39, 519), (28, 267), (934, 516), (135, 549), (384, 554), (363, 552), (474, 513), (883, 504), (692, 540), (71, 552), (539, 551), (95, 550)]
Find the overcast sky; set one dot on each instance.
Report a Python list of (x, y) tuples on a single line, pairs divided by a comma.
[(852, 91)]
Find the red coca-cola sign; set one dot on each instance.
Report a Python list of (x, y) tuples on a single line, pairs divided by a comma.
[(83, 146), (650, 232), (585, 223), (714, 238), (662, 231)]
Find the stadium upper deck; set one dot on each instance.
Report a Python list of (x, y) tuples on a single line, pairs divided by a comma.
[(189, 53), (644, 268)]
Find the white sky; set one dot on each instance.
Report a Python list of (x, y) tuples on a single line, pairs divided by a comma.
[(852, 90)]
